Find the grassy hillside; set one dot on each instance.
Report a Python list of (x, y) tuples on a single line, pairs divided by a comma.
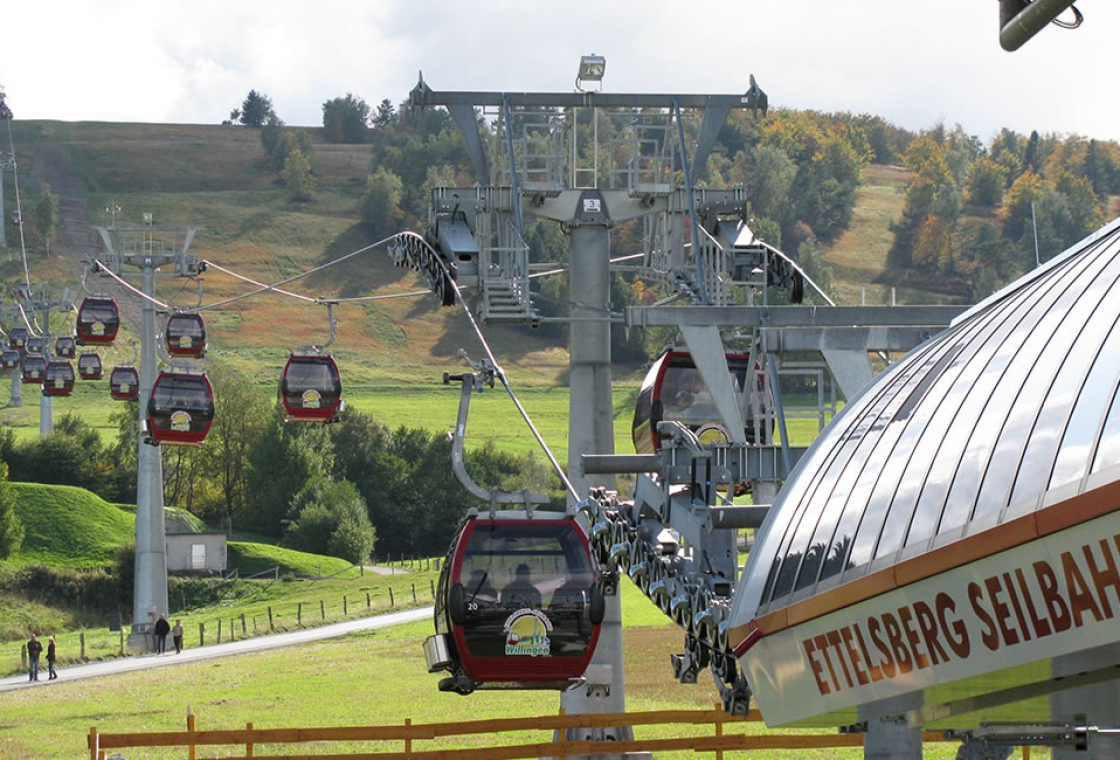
[(69, 527), (392, 352), (218, 179)]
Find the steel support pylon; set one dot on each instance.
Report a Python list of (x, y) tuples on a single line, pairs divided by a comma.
[(150, 592), (591, 431)]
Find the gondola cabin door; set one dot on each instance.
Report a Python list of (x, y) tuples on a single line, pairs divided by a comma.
[(520, 603)]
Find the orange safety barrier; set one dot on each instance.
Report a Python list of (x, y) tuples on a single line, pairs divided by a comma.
[(408, 733)]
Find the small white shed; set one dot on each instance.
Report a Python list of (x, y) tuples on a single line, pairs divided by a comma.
[(196, 552)]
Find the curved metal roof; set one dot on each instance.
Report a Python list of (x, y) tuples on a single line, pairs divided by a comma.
[(1013, 407)]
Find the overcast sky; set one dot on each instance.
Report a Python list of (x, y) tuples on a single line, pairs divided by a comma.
[(914, 63)]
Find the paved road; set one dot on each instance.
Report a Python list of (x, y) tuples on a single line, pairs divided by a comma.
[(255, 644)]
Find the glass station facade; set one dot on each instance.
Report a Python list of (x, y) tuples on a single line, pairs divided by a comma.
[(1012, 408)]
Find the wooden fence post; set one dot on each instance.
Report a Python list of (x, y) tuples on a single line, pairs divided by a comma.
[(270, 627), (414, 592), (190, 727), (719, 733), (391, 603), (23, 664), (219, 630), (249, 743), (202, 634), (299, 613), (367, 600), (432, 587), (243, 631), (344, 609), (82, 641), (232, 635), (322, 610)]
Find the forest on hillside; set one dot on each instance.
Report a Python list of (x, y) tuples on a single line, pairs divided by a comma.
[(976, 214)]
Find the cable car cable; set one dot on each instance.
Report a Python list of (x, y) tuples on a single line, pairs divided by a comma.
[(293, 278), (355, 299), (264, 288), (251, 281), (498, 371), (19, 207), (134, 290)]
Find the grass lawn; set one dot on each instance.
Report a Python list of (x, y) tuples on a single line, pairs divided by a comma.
[(371, 678)]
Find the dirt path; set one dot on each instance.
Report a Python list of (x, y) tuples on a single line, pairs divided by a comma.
[(51, 164)]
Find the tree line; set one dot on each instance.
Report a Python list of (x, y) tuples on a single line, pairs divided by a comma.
[(986, 214), (971, 214)]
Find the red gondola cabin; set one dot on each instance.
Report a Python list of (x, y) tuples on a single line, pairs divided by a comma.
[(89, 366), (311, 388), (518, 605), (180, 409), (124, 383), (65, 347), (675, 390), (185, 335), (59, 379), (98, 322), (17, 338), (34, 369)]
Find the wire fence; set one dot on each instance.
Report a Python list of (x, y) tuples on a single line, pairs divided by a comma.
[(95, 644)]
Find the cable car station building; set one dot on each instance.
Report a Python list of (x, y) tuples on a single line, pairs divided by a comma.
[(951, 543)]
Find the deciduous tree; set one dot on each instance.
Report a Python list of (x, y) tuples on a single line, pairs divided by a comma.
[(381, 202), (299, 184), (345, 120), (46, 215)]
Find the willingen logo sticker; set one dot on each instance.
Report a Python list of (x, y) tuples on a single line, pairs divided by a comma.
[(527, 633)]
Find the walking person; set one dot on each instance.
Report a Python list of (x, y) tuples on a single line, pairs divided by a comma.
[(177, 636), (34, 649), (162, 628), (50, 659)]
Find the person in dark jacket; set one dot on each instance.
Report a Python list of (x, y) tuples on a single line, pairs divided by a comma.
[(34, 649), (50, 659), (162, 628), (521, 592)]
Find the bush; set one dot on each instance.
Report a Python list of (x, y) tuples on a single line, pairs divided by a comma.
[(85, 591)]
